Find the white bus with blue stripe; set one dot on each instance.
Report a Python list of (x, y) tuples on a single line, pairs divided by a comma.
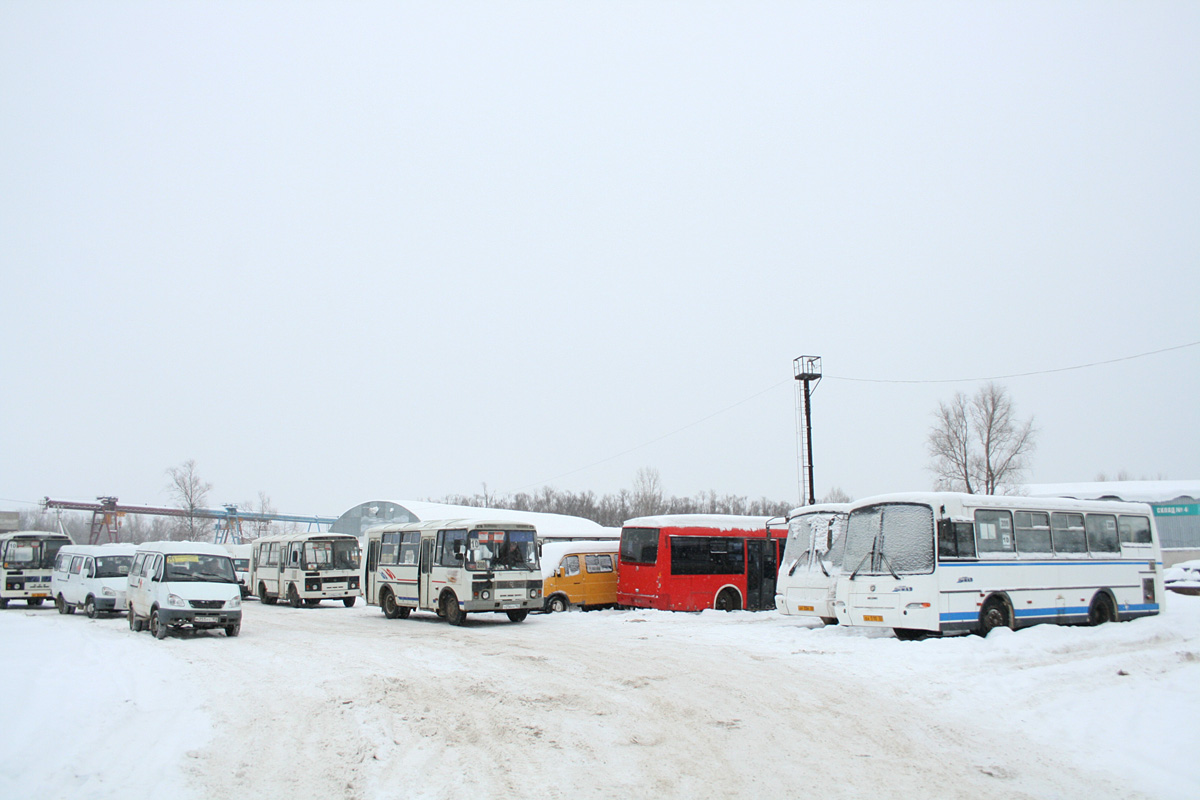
[(945, 563)]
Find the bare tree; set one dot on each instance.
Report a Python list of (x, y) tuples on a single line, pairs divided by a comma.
[(648, 495), (978, 445), (836, 495), (190, 493)]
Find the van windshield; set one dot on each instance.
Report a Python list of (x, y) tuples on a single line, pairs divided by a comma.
[(113, 566), (200, 567)]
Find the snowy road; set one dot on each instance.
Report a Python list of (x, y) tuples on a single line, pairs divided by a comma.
[(336, 702)]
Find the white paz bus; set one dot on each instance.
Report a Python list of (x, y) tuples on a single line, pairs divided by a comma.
[(305, 568), (812, 560), (26, 564), (453, 567), (944, 563)]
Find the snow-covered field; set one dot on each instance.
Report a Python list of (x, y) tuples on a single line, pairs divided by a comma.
[(336, 702)]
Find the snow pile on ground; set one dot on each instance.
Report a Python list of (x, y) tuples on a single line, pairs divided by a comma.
[(336, 702), (1184, 577)]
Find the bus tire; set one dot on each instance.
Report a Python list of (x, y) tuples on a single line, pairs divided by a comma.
[(387, 601), (994, 614), (829, 620), (557, 603), (1101, 610), (348, 602), (727, 600), (265, 598), (34, 601), (59, 604), (450, 609), (3, 602), (518, 616), (157, 626), (312, 601), (294, 596), (404, 612), (89, 607)]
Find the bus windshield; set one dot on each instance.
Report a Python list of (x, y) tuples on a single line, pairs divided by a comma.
[(31, 553), (891, 539), (113, 566), (499, 550), (822, 534), (200, 567), (331, 554), (639, 545)]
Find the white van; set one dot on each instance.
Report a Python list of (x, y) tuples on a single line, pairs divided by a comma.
[(92, 576), (173, 584)]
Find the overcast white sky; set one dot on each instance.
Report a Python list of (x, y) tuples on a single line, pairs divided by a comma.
[(339, 252)]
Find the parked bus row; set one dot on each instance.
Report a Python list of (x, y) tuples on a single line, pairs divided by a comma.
[(944, 563)]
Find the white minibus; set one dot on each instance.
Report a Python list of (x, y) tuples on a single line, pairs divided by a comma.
[(943, 563), (453, 567), (240, 553), (812, 560), (92, 576), (26, 564), (173, 585), (305, 568)]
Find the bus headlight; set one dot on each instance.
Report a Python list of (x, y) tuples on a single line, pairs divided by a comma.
[(485, 594), (535, 593), (912, 606), (176, 601)]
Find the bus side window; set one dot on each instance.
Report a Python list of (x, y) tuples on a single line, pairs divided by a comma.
[(89, 568), (571, 566), (995, 530), (1134, 530), (1102, 533), (956, 539)]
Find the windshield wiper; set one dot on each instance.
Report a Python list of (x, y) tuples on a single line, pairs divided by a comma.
[(854, 574), (888, 564)]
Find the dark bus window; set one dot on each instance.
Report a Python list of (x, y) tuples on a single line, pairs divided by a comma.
[(1067, 533), (1033, 532), (1102, 533), (639, 545), (994, 530), (1134, 530), (707, 555)]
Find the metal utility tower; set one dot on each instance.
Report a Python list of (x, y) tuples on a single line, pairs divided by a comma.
[(807, 370)]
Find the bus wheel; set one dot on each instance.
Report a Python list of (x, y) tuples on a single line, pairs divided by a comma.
[(1101, 610), (557, 603), (387, 601), (89, 607), (293, 596), (518, 616), (348, 602), (994, 615), (59, 605), (829, 620), (312, 601), (454, 615), (404, 611), (157, 626), (34, 601), (3, 602), (728, 600)]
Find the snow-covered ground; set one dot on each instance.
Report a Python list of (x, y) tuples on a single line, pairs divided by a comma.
[(337, 702)]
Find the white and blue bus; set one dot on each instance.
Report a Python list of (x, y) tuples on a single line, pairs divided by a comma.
[(945, 563), (812, 561), (26, 565)]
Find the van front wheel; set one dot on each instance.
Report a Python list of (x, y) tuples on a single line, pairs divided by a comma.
[(135, 624), (557, 604), (157, 626), (234, 629), (59, 605), (89, 607)]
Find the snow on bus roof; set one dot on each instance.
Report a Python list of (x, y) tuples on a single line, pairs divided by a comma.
[(721, 522), (820, 508), (107, 549), (448, 524), (997, 501), (549, 526)]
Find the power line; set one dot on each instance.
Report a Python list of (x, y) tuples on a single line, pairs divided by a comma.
[(635, 448), (1016, 374)]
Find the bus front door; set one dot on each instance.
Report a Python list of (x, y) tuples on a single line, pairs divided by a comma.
[(760, 574), (371, 574), (425, 601)]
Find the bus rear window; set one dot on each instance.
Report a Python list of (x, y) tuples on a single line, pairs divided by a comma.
[(639, 545)]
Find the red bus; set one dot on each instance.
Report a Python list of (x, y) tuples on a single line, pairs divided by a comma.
[(689, 562)]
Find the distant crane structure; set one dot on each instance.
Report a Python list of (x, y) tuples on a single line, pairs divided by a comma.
[(107, 514), (807, 370)]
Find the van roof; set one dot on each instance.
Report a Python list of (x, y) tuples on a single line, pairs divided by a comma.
[(110, 549), (192, 548)]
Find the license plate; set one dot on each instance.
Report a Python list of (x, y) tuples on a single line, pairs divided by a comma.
[(207, 619), (39, 594), (804, 608), (509, 606), (872, 618)]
